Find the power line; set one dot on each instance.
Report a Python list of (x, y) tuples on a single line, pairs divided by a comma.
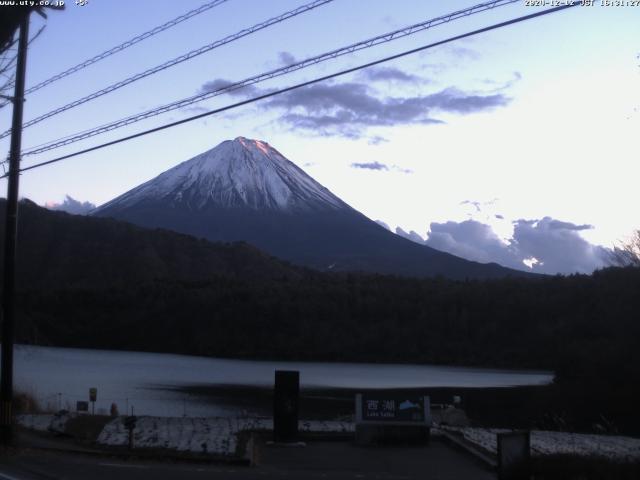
[(301, 85), (176, 61), (371, 42), (127, 44)]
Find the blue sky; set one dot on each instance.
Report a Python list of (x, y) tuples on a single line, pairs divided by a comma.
[(531, 121)]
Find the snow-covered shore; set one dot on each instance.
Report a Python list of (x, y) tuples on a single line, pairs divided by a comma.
[(617, 448), (200, 435), (220, 435), (215, 435)]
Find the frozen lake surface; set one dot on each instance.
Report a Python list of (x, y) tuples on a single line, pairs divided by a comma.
[(59, 377)]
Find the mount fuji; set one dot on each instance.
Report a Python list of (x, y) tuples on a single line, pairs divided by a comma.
[(245, 190)]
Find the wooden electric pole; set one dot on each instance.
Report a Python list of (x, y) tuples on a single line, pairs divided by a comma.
[(10, 237)]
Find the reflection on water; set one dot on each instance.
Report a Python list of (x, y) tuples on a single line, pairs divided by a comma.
[(62, 376)]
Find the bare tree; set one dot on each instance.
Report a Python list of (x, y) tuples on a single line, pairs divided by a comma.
[(10, 18), (627, 253), (8, 58), (7, 74)]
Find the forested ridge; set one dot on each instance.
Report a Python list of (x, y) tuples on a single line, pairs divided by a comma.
[(550, 323)]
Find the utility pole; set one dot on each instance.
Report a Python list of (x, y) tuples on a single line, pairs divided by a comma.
[(10, 237)]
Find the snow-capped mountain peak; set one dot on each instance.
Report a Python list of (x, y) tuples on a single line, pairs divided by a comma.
[(237, 173)]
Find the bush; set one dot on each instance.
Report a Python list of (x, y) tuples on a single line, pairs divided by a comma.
[(25, 403)]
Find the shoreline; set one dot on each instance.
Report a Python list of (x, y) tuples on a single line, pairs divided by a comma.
[(512, 407)]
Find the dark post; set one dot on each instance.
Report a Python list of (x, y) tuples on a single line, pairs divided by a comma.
[(93, 396), (285, 406), (10, 236), (130, 424), (514, 455)]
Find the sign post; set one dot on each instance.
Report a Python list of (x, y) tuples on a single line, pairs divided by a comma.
[(514, 455), (130, 425), (389, 417), (93, 396), (82, 406), (285, 406)]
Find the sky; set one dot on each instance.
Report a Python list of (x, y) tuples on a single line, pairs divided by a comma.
[(517, 145)]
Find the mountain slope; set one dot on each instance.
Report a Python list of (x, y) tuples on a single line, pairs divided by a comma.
[(59, 250), (246, 190)]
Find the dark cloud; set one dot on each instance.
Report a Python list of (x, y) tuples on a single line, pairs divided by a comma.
[(550, 246), (558, 246), (558, 225), (286, 58), (71, 205), (220, 83), (474, 241), (456, 101), (193, 109), (370, 166), (390, 74), (347, 109)]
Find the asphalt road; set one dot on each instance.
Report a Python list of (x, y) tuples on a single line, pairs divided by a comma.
[(321, 460)]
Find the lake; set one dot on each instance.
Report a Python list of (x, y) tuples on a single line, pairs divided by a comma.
[(151, 382)]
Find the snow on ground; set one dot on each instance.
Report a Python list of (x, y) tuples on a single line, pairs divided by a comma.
[(37, 422), (200, 435), (553, 443), (218, 435)]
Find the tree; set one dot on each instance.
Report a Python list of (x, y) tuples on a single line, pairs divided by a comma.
[(10, 18), (7, 62), (627, 253)]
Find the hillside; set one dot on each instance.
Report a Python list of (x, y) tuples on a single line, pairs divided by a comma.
[(59, 250)]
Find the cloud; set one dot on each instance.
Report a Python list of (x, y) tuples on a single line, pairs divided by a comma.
[(474, 241), (347, 109), (376, 140), (552, 224), (499, 86), (193, 109), (391, 74), (475, 204), (380, 167), (220, 83), (286, 58), (413, 236), (402, 170), (546, 245), (383, 225), (71, 205), (464, 53), (370, 166), (558, 246)]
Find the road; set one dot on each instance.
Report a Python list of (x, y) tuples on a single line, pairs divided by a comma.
[(322, 460)]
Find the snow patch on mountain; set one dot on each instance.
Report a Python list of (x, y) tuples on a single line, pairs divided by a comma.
[(236, 173)]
